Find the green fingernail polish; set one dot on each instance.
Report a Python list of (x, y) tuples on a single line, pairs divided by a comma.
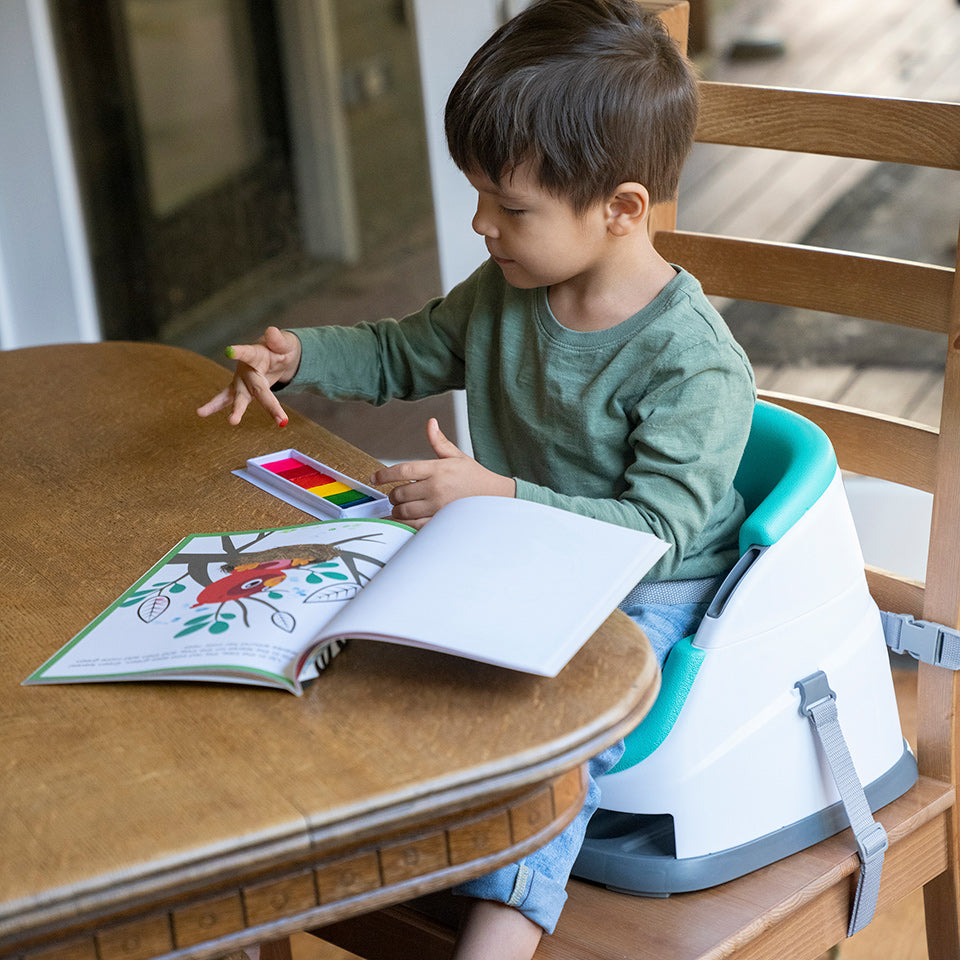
[(230, 352)]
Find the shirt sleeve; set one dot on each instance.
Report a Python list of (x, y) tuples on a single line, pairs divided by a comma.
[(419, 356)]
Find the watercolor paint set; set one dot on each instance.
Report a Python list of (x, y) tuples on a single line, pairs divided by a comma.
[(314, 487)]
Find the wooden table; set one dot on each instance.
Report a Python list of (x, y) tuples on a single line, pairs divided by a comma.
[(185, 820)]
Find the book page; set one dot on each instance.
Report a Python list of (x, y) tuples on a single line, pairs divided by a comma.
[(230, 603), (503, 581)]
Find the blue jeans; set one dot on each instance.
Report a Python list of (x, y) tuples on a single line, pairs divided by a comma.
[(536, 885)]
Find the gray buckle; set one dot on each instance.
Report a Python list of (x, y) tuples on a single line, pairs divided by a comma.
[(922, 639), (813, 691), (872, 842)]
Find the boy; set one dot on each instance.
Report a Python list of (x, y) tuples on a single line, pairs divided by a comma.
[(599, 379)]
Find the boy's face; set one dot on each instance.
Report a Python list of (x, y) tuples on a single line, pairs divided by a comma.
[(535, 236)]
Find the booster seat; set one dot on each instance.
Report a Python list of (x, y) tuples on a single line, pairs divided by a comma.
[(726, 774)]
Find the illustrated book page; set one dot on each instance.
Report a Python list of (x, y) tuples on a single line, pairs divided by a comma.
[(499, 580), (240, 607)]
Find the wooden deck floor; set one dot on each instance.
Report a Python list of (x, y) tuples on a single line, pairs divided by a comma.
[(887, 47)]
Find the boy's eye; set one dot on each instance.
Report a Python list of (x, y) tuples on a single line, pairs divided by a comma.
[(512, 212)]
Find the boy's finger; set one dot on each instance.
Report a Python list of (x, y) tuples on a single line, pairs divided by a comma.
[(409, 493), (442, 447), (220, 402), (274, 340), (268, 400), (243, 353), (411, 511), (240, 403), (405, 472)]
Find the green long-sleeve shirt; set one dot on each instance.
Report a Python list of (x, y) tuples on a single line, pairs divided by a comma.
[(642, 424)]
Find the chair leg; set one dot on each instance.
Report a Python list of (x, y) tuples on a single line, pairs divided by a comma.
[(276, 950), (941, 897)]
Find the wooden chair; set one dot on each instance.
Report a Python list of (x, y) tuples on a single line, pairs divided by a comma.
[(799, 907)]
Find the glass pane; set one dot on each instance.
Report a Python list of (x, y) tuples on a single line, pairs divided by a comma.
[(194, 78)]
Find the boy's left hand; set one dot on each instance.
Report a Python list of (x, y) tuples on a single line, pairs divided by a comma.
[(427, 485)]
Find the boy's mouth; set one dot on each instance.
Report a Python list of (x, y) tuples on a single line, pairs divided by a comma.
[(496, 257)]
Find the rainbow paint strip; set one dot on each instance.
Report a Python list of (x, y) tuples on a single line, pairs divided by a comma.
[(315, 487)]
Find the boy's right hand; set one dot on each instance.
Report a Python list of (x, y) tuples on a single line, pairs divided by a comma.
[(274, 358)]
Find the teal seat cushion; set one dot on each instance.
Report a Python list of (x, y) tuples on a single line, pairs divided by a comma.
[(787, 465), (679, 672)]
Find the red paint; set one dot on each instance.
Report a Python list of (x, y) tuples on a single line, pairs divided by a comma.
[(244, 582)]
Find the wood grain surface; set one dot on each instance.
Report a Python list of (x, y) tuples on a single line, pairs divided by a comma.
[(124, 799)]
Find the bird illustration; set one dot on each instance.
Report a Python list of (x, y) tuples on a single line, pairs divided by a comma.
[(247, 579)]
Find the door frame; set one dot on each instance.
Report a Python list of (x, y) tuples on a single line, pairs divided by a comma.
[(321, 153), (46, 281)]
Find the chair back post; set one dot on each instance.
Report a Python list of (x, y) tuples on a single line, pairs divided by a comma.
[(938, 690), (675, 16)]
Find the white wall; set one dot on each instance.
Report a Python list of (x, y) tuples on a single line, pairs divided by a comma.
[(326, 198), (447, 35), (46, 287)]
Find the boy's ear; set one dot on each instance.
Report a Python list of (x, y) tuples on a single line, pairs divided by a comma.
[(627, 209)]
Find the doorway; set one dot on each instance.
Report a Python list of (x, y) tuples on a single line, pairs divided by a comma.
[(180, 129)]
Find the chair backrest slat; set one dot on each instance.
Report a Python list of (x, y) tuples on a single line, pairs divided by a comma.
[(840, 125), (865, 442), (909, 294), (894, 592)]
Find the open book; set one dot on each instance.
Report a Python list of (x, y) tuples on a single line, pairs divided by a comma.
[(503, 581)]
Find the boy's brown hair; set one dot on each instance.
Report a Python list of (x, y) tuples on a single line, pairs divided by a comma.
[(593, 93)]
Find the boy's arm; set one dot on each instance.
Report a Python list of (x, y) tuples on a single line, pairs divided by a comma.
[(427, 485), (274, 358), (420, 356)]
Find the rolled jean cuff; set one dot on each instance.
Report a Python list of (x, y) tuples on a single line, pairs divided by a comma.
[(538, 897)]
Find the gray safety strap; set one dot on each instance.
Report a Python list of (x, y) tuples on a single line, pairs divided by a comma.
[(819, 703), (922, 639)]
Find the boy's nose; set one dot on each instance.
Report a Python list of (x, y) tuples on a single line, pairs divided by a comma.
[(482, 224)]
